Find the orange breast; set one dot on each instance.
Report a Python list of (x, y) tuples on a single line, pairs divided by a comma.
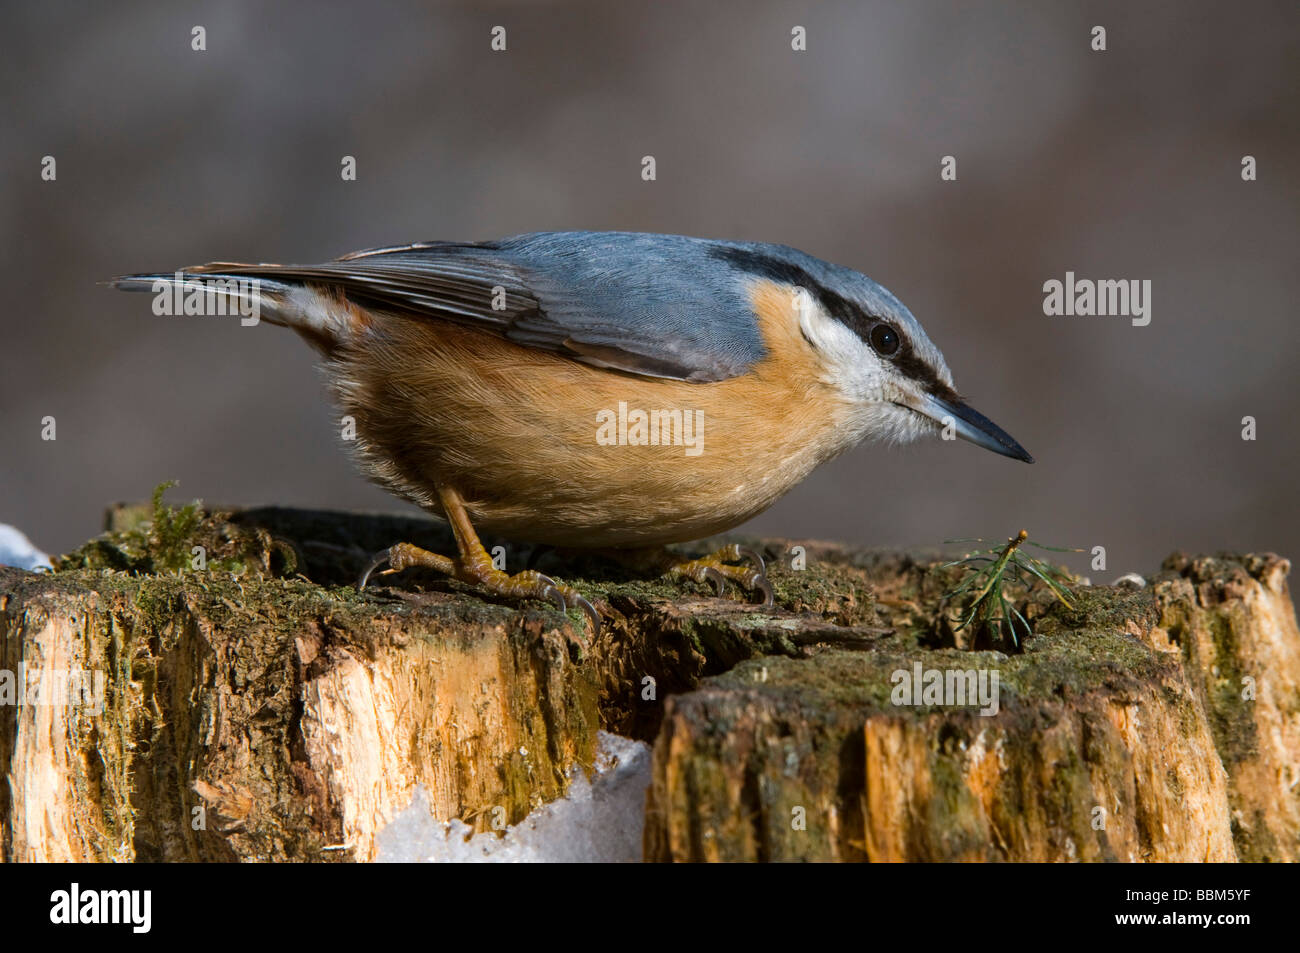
[(544, 448)]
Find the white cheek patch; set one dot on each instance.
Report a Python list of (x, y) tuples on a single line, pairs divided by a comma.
[(884, 422), (850, 363)]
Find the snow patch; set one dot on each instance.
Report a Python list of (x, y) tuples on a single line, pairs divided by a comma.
[(600, 821), (17, 550)]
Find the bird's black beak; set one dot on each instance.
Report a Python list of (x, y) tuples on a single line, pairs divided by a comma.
[(969, 424)]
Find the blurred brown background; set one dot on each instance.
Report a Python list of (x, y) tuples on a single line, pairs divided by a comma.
[(1122, 164)]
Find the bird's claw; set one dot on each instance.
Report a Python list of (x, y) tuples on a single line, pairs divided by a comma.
[(577, 601), (379, 559), (714, 569), (569, 598), (715, 577), (744, 552), (527, 584), (550, 592)]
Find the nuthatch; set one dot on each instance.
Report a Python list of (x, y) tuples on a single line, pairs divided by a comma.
[(601, 389)]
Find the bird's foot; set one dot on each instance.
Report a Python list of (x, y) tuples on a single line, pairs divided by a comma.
[(477, 569), (714, 568)]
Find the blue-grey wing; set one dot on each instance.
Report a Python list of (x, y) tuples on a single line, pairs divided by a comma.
[(653, 305)]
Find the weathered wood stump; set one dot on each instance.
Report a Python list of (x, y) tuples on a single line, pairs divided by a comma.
[(262, 709)]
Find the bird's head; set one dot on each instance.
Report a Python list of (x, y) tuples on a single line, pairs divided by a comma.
[(873, 352)]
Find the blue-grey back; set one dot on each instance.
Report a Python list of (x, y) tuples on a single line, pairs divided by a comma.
[(648, 304)]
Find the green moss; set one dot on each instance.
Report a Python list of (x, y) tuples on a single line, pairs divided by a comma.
[(1232, 718), (1062, 660), (182, 540), (171, 531)]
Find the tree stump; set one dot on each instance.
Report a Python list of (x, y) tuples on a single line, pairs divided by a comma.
[(260, 708)]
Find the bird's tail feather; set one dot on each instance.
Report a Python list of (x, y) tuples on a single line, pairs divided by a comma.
[(248, 291)]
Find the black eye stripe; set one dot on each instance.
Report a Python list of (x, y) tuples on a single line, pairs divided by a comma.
[(837, 306), (904, 357)]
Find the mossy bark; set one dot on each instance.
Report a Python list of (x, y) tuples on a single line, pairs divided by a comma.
[(1232, 622), (272, 720), (1122, 733), (262, 709)]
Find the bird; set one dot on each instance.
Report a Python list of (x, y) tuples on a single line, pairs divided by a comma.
[(618, 391)]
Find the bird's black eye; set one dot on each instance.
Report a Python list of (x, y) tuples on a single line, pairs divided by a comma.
[(884, 339)]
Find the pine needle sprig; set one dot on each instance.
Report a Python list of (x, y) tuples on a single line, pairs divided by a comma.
[(990, 610)]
